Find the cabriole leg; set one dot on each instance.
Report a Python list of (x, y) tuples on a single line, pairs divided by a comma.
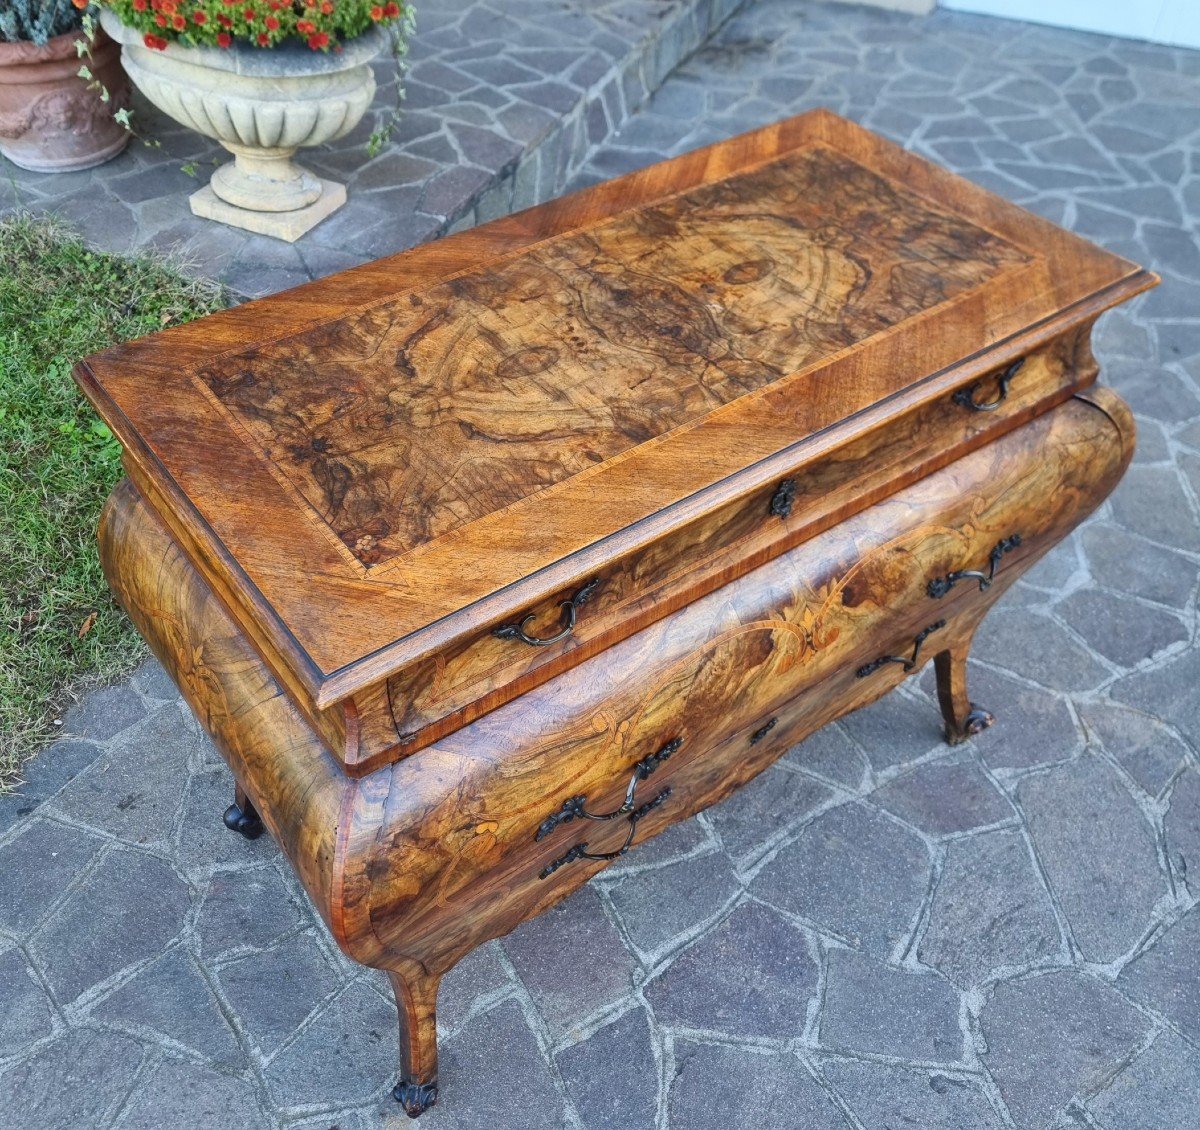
[(416, 1003), (242, 817), (962, 717)]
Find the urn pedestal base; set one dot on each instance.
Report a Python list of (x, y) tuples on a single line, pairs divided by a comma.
[(288, 226)]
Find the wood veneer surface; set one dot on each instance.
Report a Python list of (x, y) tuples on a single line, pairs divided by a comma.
[(371, 467)]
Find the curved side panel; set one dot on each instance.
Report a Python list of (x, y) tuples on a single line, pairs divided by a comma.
[(284, 768)]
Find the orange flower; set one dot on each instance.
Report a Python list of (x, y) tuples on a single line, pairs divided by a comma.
[(225, 21), (273, 23), (224, 39), (327, 8), (161, 20), (392, 10), (139, 5), (377, 13), (316, 42), (264, 39), (81, 4), (199, 18)]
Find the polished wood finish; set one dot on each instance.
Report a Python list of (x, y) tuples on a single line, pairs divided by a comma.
[(455, 405), (484, 564), (437, 695), (418, 862), (375, 473)]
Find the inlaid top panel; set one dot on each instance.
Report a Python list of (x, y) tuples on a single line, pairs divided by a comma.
[(374, 466), (432, 410)]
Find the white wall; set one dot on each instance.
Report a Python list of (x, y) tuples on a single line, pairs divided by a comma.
[(1162, 21)]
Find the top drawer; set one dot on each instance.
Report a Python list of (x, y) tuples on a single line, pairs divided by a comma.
[(452, 687)]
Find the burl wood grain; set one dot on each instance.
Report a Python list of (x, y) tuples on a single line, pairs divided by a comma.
[(717, 668), (416, 864), (461, 683), (293, 781), (422, 414), (371, 470)]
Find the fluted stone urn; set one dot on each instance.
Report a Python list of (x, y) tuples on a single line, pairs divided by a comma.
[(262, 104)]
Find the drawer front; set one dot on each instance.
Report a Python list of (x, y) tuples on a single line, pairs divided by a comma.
[(452, 688), (482, 828)]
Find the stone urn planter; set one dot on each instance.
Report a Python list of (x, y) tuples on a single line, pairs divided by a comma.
[(262, 105), (49, 120)]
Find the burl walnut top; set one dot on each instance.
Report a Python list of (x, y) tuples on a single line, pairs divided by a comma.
[(375, 463)]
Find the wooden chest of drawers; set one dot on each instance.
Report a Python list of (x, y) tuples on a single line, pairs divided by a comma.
[(484, 563)]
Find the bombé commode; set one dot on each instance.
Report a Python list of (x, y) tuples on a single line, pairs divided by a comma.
[(485, 563)]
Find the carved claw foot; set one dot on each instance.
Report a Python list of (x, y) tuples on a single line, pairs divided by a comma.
[(975, 722), (978, 720), (244, 821), (415, 1098)]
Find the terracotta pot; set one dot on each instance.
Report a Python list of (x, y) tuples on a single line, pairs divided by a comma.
[(49, 120)]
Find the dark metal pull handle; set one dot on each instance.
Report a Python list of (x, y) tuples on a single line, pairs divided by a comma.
[(570, 609), (580, 851), (782, 499), (763, 731), (967, 396), (908, 661), (939, 586), (574, 808)]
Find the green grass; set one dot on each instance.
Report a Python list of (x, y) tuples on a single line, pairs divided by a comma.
[(58, 302)]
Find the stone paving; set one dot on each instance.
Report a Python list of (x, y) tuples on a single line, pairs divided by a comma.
[(504, 100), (879, 932)]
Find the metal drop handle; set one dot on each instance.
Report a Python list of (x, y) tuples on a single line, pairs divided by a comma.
[(907, 661), (575, 808), (783, 499), (570, 611), (939, 586), (967, 396), (580, 851)]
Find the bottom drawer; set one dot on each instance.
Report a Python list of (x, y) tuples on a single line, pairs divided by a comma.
[(463, 840)]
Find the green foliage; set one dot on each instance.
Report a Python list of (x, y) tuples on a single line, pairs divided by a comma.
[(58, 302), (399, 35), (37, 20)]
